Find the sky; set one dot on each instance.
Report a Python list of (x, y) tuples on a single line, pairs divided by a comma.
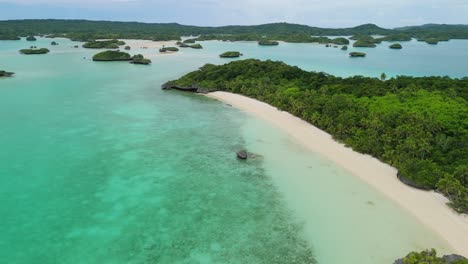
[(321, 13)]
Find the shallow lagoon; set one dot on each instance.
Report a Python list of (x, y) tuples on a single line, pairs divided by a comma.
[(98, 165)]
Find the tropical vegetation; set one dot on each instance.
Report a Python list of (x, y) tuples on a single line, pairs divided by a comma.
[(268, 43), (34, 50), (140, 59), (396, 46), (430, 257), (417, 124), (230, 54), (357, 54), (112, 55), (103, 44)]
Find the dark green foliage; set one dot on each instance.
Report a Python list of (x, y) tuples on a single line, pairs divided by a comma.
[(139, 59), (111, 55), (357, 54), (230, 54), (104, 44), (9, 37), (84, 30), (189, 41), (166, 49), (34, 51), (196, 46), (419, 125), (344, 48), (340, 41), (127, 48), (6, 74), (396, 46), (364, 44), (268, 43), (430, 257), (31, 38), (53, 43), (396, 37), (432, 41)]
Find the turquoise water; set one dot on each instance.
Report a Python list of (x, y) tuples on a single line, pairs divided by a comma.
[(98, 165)]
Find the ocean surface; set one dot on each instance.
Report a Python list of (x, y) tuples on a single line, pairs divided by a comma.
[(99, 165)]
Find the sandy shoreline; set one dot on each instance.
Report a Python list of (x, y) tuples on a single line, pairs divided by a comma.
[(428, 207)]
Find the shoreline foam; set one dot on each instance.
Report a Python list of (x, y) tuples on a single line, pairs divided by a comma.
[(428, 207)]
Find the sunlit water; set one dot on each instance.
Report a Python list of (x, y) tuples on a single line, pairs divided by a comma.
[(98, 165)]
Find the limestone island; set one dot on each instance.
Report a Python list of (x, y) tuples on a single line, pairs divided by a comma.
[(166, 49), (268, 43), (104, 44), (6, 74), (196, 46), (364, 44), (344, 48), (357, 54), (231, 54), (112, 55), (115, 55), (340, 41), (33, 50), (53, 43), (31, 38), (432, 41), (127, 48), (396, 46), (139, 59)]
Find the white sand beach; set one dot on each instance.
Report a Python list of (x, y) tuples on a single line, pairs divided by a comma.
[(428, 207)]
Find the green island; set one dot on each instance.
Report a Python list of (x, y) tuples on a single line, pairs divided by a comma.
[(430, 257), (127, 48), (53, 43), (170, 49), (85, 30), (112, 55), (344, 48), (140, 59), (196, 46), (103, 44), (230, 54), (6, 74), (396, 46), (31, 38), (34, 50), (432, 41), (362, 43), (415, 124), (268, 43), (340, 41), (357, 54)]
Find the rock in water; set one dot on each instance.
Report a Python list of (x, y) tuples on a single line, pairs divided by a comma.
[(242, 154)]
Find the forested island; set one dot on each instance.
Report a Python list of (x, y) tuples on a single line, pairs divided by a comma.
[(34, 50), (416, 124), (6, 74), (31, 38), (104, 44), (357, 54), (170, 49), (396, 46), (85, 30), (140, 59), (230, 54), (113, 55)]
